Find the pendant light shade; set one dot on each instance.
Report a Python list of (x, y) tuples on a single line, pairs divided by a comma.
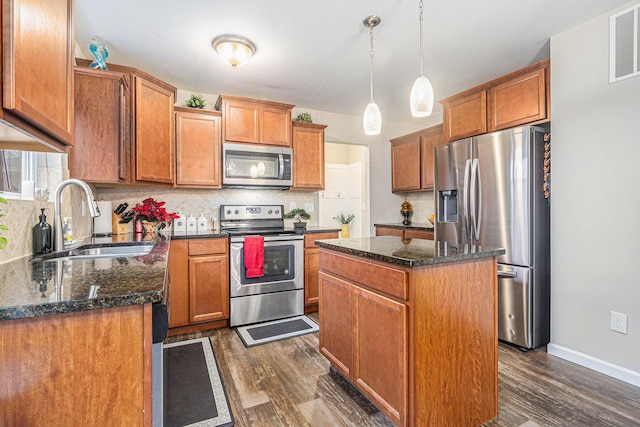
[(372, 119), (421, 98)]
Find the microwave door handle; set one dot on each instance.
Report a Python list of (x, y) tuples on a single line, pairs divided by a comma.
[(281, 168)]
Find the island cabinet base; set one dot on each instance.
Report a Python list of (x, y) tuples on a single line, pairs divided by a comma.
[(421, 343), (88, 368)]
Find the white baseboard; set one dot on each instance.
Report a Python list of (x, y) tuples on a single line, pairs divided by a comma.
[(602, 366)]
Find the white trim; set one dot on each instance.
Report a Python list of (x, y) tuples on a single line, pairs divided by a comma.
[(612, 44), (602, 366)]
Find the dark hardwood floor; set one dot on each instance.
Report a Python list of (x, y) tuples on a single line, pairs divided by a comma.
[(288, 383)]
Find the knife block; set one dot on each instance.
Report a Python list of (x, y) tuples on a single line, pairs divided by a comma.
[(116, 226)]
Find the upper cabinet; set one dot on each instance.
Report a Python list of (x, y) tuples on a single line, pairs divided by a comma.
[(412, 160), (521, 97), (141, 123), (254, 121), (198, 148), (37, 62), (308, 156), (102, 149)]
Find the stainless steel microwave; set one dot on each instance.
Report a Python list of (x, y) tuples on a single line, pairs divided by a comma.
[(257, 166)]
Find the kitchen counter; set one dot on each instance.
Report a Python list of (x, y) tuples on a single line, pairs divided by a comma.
[(412, 226), (32, 288), (215, 234), (408, 252)]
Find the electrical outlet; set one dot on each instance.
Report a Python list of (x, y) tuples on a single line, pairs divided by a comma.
[(618, 322), (308, 207), (292, 205)]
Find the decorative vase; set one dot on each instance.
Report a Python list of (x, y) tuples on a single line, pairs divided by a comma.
[(406, 210), (345, 231), (149, 227)]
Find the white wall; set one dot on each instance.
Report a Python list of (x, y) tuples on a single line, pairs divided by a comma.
[(595, 204)]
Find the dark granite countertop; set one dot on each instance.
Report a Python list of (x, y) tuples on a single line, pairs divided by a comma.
[(412, 226), (182, 235), (407, 252), (31, 288)]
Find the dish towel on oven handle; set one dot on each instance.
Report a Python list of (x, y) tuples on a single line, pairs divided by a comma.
[(254, 256)]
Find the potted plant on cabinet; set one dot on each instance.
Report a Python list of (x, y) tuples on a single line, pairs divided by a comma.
[(299, 214), (345, 220)]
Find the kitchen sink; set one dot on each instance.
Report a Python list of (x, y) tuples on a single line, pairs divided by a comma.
[(121, 251)]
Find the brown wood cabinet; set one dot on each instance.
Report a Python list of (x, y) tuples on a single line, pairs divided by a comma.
[(364, 327), (199, 281), (198, 148), (148, 153), (405, 233), (102, 150), (308, 156), (413, 340), (79, 368), (311, 269), (412, 160), (255, 121), (37, 82), (521, 97)]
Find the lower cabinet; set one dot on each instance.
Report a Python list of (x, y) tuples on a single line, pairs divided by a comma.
[(405, 233), (365, 336), (199, 281), (311, 269)]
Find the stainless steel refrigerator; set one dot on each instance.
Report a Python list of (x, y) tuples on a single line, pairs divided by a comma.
[(489, 192)]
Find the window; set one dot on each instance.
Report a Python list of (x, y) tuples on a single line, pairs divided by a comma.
[(16, 167), (624, 39)]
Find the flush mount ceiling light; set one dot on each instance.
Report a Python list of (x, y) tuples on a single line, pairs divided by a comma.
[(234, 50), (421, 99), (372, 119)]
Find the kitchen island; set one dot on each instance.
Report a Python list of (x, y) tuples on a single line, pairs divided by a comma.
[(412, 324), (76, 336)]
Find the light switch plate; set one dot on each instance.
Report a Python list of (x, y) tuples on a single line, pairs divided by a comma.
[(292, 205), (308, 207)]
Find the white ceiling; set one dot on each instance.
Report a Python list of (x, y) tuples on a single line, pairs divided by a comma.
[(314, 54)]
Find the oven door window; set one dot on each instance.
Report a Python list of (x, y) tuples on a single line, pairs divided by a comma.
[(279, 265)]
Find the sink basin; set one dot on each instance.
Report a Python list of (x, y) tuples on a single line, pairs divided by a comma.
[(102, 252)]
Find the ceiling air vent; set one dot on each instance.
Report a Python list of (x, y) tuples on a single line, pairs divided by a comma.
[(624, 51)]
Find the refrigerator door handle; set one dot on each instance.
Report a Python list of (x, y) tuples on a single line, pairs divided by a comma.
[(477, 214), (465, 199), (507, 274)]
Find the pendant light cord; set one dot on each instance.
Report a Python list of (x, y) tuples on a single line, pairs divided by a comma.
[(371, 62), (421, 61)]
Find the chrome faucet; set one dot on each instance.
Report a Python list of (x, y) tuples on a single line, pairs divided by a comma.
[(58, 239)]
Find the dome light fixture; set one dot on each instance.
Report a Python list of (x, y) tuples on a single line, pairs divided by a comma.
[(372, 119), (421, 99), (234, 50)]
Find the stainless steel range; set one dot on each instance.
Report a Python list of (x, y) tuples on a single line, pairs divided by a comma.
[(277, 294)]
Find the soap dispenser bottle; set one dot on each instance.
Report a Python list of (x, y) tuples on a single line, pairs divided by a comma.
[(42, 236)]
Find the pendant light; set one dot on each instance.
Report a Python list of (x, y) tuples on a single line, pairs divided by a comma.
[(372, 119), (421, 99)]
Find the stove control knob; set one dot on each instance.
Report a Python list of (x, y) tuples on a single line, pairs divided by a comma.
[(228, 211), (270, 212), (236, 212), (277, 211)]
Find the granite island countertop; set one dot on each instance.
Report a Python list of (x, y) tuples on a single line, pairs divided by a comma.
[(408, 252), (31, 288)]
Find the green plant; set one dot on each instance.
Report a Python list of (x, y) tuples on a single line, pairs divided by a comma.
[(344, 219), (195, 101), (3, 240), (297, 213), (304, 117)]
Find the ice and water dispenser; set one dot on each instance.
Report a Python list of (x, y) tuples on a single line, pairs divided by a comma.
[(447, 206)]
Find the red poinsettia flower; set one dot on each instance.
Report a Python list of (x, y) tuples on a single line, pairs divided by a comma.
[(153, 211)]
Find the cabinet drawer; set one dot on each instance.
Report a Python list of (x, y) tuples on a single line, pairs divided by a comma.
[(387, 231), (418, 234), (207, 246), (310, 238), (379, 277)]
